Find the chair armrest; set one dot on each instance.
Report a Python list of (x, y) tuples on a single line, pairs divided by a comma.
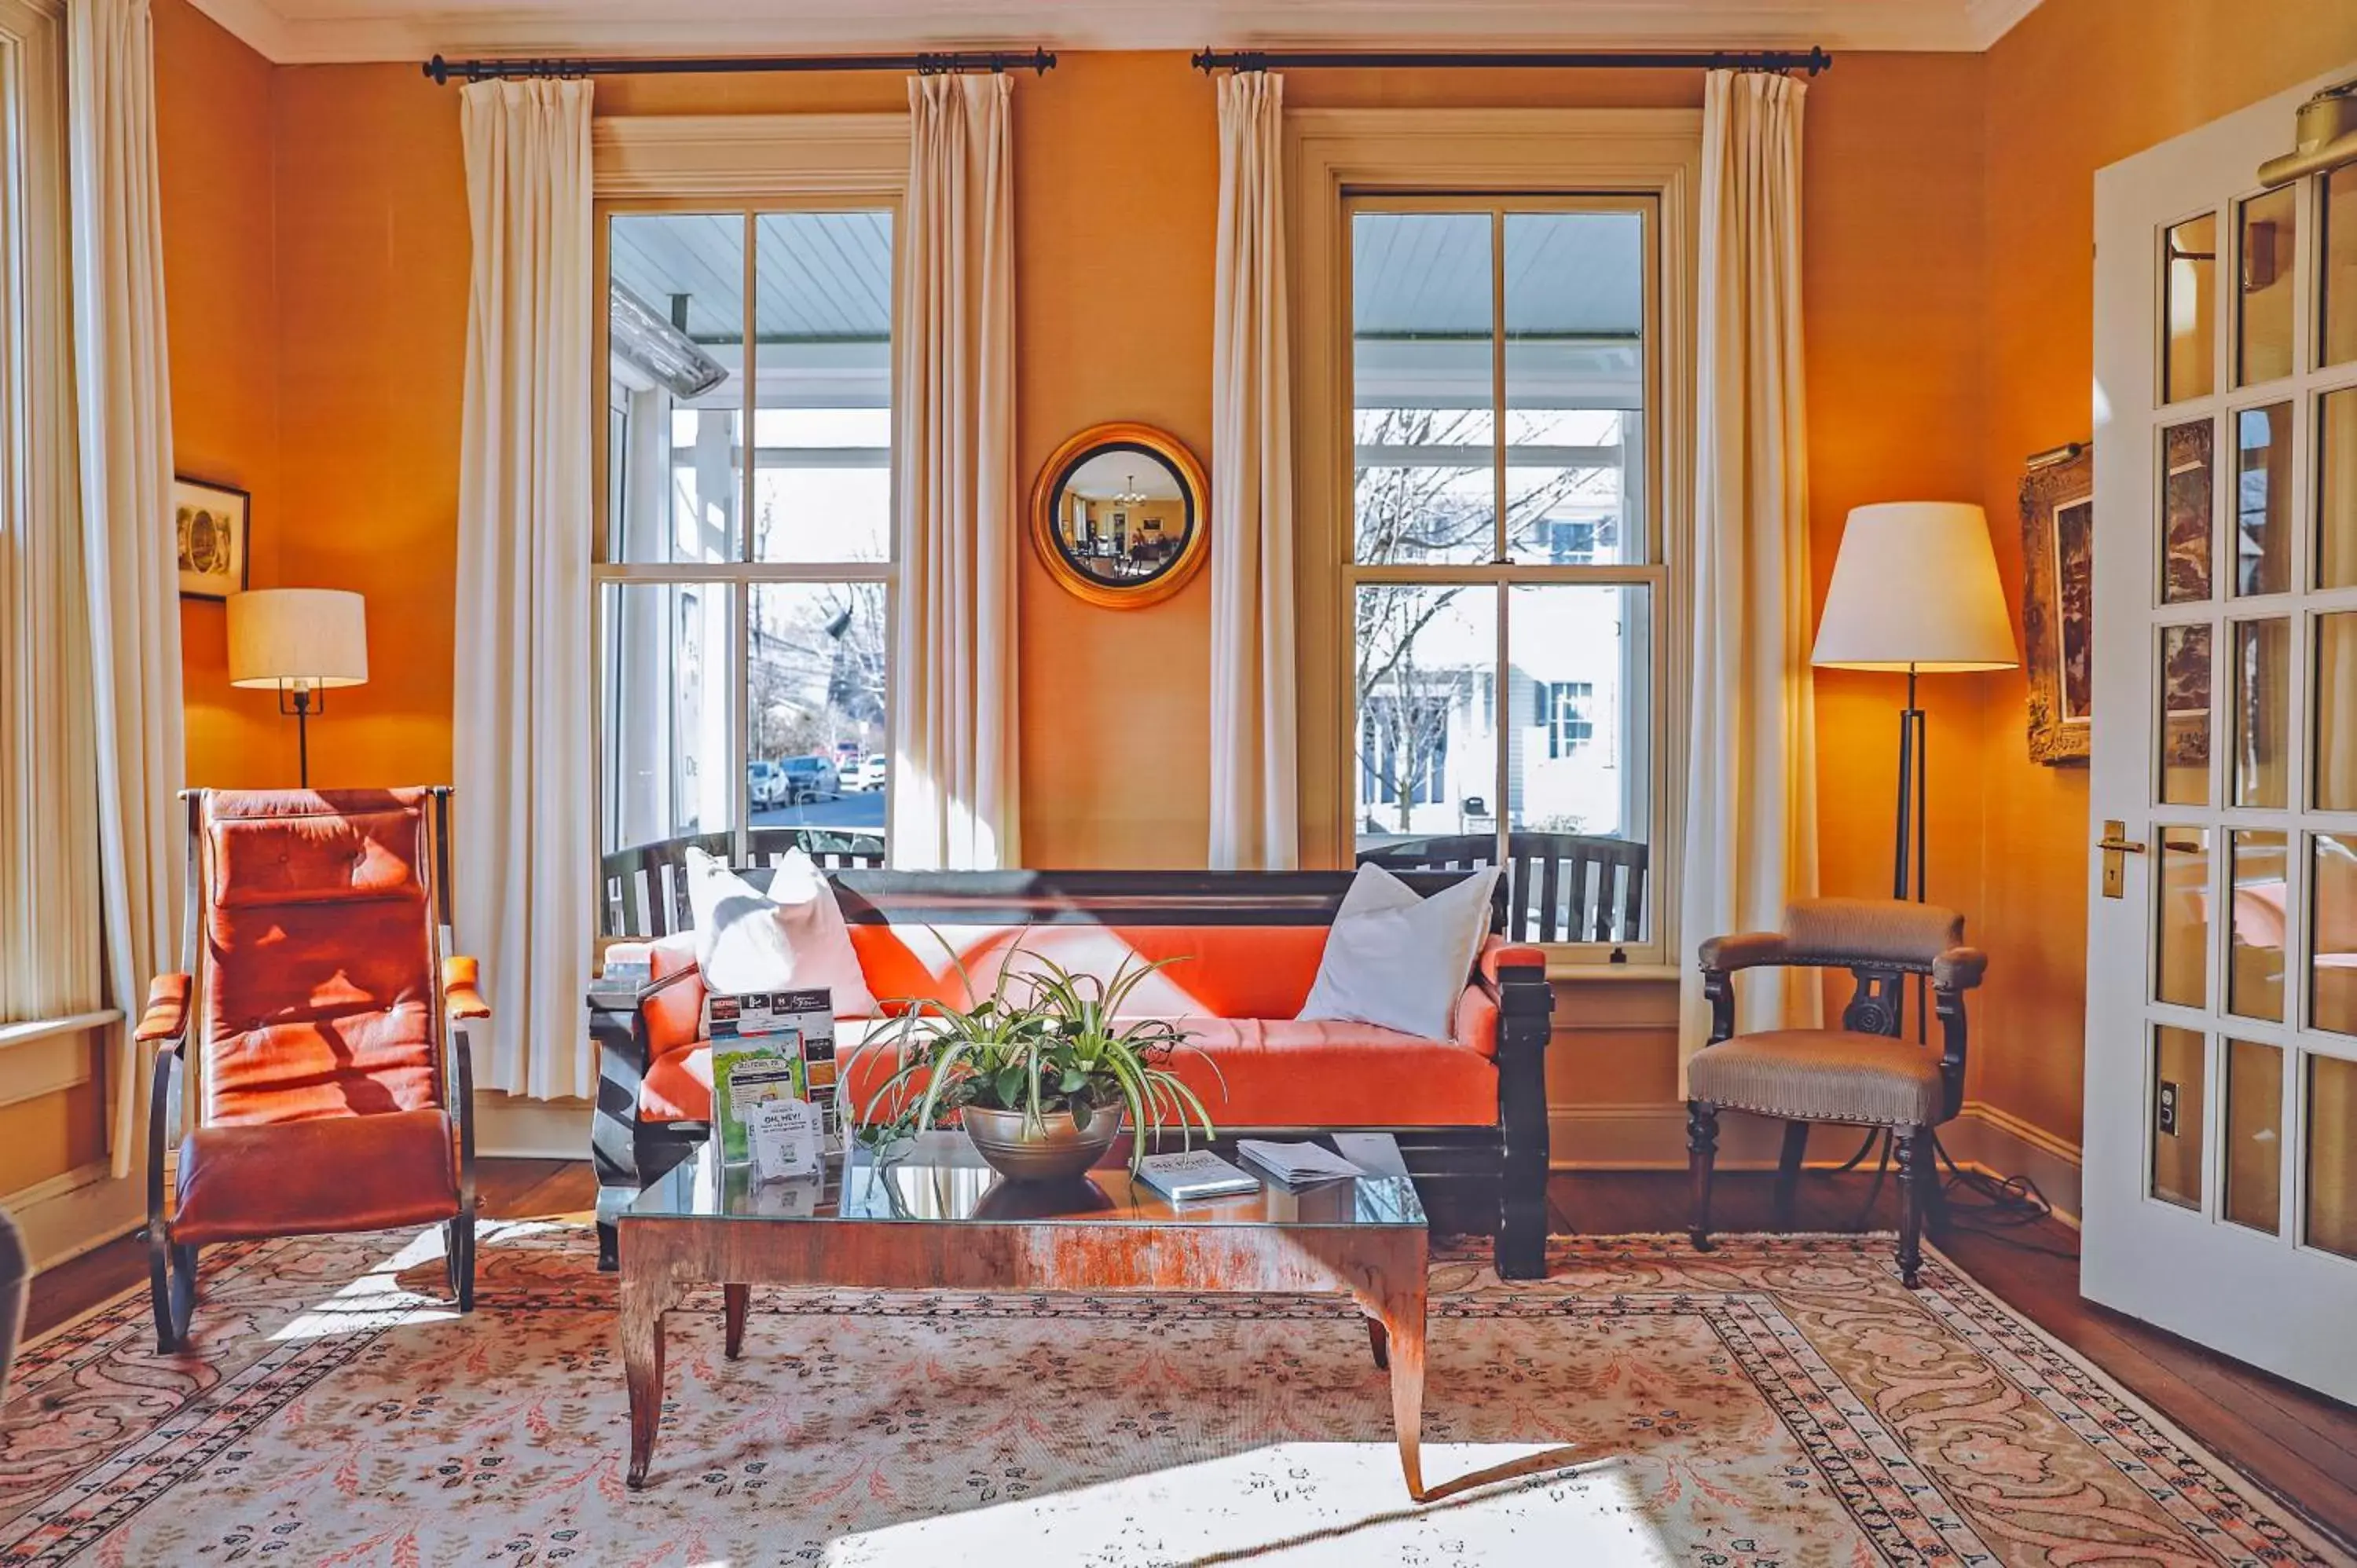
[(1497, 955), (166, 1022), (462, 995), (1959, 969), (1745, 950)]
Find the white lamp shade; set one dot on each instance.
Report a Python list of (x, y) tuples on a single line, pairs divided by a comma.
[(1915, 586), (298, 637)]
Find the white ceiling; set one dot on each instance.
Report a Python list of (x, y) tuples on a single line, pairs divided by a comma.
[(314, 31)]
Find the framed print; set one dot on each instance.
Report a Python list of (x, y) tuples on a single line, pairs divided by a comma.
[(213, 524), (2058, 607)]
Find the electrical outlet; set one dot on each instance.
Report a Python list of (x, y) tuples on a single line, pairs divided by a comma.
[(2168, 1109)]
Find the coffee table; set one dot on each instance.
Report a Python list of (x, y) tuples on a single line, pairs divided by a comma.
[(930, 1215)]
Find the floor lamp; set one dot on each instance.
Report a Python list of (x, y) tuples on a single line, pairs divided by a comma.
[(1915, 590), (302, 641)]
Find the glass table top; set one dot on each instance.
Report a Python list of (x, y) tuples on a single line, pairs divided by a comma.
[(938, 1178)]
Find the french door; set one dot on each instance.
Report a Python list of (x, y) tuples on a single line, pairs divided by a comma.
[(2220, 1160)]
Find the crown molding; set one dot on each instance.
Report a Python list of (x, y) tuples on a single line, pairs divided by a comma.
[(301, 32)]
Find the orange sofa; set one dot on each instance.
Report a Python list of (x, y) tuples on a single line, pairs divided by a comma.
[(1468, 1111)]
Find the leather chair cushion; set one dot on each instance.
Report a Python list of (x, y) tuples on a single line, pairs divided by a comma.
[(1821, 1075), (332, 1174), (1283, 1072)]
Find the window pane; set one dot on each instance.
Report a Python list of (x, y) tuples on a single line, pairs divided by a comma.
[(2180, 967), (2263, 499), (2332, 1154), (2333, 711), (1426, 711), (2340, 280), (2336, 487), (2262, 711), (675, 315), (822, 419), (2177, 1072), (1579, 774), (2185, 716), (2333, 909), (1576, 387), (814, 722), (667, 692), (2185, 513), (2254, 973), (2266, 256), (2188, 365), (2255, 1135), (1426, 483)]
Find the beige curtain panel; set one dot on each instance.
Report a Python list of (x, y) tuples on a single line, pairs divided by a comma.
[(1751, 804), (525, 891), (130, 556), (1255, 772), (953, 782)]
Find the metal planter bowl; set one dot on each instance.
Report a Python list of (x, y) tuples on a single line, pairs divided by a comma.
[(1059, 1151)]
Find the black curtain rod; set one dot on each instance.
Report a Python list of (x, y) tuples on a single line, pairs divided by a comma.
[(939, 63), (1813, 61)]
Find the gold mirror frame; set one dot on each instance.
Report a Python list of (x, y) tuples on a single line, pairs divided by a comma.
[(1059, 466)]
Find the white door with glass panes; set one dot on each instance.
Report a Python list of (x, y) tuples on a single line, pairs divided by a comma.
[(2221, 1159)]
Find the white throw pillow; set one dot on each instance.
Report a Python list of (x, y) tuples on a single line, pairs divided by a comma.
[(1398, 961), (791, 938)]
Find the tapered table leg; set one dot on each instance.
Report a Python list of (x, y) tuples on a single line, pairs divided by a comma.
[(644, 1300), (735, 1301), (1405, 1327)]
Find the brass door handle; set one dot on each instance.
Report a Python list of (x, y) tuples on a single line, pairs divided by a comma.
[(2119, 845), (2114, 844)]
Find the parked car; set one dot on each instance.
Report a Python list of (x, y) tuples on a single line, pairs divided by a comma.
[(766, 785), (870, 774), (810, 778)]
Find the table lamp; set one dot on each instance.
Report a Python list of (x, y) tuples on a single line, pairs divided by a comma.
[(1915, 589), (301, 640)]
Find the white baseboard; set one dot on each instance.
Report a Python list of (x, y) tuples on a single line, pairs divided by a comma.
[(511, 1127), (1654, 1137), (77, 1212)]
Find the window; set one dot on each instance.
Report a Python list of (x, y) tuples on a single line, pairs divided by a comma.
[(746, 568), (1504, 561)]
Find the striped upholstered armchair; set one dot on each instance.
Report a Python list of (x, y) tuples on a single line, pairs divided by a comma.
[(1863, 1073)]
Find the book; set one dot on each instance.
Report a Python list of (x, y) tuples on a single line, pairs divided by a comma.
[(1294, 1164), (746, 1076), (1193, 1173)]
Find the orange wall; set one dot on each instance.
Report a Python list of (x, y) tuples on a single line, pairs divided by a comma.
[(2053, 119)]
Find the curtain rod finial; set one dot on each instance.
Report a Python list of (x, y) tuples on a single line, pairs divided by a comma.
[(437, 71)]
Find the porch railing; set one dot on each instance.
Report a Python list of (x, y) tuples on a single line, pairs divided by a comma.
[(643, 890), (1559, 887)]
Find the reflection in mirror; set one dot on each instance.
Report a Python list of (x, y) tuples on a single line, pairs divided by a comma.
[(2188, 363), (1123, 515), (2263, 499), (2264, 345)]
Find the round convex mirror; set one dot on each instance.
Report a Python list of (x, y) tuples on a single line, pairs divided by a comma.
[(1118, 515)]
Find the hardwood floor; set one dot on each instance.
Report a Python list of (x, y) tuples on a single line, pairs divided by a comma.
[(2300, 1445)]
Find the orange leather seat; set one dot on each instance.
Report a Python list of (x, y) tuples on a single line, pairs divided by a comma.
[(329, 1174)]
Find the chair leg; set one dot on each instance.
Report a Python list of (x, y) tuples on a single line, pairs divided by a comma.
[(1701, 1154), (172, 1292), (1788, 1171), (1916, 1175), (458, 1250)]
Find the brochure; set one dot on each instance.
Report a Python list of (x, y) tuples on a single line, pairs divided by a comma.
[(1296, 1163), (746, 1074), (786, 1140), (1194, 1173), (808, 1014)]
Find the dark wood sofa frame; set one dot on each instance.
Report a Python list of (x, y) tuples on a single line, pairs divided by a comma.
[(1488, 1179)]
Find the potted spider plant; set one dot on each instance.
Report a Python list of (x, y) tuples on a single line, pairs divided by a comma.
[(1040, 1073)]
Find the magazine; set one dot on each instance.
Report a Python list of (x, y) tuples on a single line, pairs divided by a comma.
[(807, 1015)]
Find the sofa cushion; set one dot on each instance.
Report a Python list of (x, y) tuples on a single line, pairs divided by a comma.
[(1250, 1072)]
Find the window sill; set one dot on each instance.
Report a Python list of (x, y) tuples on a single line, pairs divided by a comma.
[(1562, 972), (25, 1033)]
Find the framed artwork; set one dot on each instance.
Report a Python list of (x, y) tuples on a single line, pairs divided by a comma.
[(2057, 610), (213, 523)]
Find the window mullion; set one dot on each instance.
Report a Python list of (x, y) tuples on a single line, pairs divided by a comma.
[(740, 683)]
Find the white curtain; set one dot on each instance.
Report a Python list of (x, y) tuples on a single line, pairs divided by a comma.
[(129, 558), (953, 782), (1254, 778), (526, 894), (1751, 806)]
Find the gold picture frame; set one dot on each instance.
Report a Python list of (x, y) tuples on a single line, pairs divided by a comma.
[(1121, 515), (2057, 605)]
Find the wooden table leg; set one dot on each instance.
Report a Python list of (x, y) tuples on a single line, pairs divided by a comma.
[(644, 1300), (1405, 1327), (735, 1301)]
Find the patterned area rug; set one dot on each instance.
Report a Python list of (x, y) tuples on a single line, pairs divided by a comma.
[(1778, 1402)]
